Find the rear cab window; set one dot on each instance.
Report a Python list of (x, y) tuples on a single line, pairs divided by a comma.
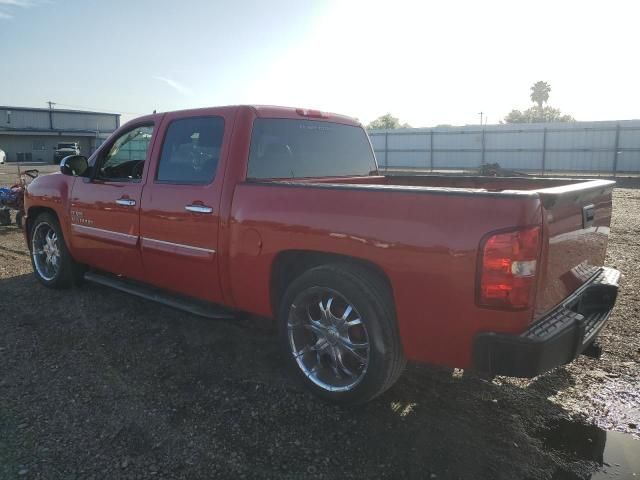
[(291, 148)]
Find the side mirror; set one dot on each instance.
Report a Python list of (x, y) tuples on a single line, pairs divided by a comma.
[(74, 165)]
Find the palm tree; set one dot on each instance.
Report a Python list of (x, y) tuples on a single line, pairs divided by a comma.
[(540, 92)]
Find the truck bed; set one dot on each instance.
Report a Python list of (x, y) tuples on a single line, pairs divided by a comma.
[(573, 248)]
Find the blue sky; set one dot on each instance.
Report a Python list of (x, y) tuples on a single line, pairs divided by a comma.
[(426, 62), (136, 56)]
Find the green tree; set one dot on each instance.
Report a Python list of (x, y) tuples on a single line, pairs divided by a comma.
[(538, 113), (540, 93), (387, 121)]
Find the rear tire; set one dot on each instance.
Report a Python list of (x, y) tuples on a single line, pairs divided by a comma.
[(338, 329), (51, 261)]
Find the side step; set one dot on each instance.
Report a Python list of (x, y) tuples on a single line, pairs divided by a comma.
[(196, 307)]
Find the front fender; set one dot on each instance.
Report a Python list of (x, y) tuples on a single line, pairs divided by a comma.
[(53, 193)]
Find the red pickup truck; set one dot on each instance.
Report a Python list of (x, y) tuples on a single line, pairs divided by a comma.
[(282, 213)]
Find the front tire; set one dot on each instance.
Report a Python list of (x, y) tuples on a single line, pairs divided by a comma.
[(52, 263), (339, 331)]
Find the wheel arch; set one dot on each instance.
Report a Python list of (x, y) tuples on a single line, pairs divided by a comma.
[(32, 214), (290, 264)]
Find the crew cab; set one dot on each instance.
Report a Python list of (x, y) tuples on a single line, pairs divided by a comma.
[(282, 213)]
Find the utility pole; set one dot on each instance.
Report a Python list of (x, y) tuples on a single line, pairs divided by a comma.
[(481, 114), (51, 104)]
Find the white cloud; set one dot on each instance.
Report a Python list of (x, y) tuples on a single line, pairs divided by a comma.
[(17, 3), (9, 4), (24, 3), (177, 86)]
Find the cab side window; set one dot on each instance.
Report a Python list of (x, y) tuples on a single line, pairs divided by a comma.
[(191, 151), (125, 159)]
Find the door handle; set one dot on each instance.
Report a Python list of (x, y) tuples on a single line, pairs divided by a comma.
[(198, 208), (126, 202)]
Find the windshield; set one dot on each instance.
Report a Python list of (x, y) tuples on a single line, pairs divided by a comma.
[(287, 148)]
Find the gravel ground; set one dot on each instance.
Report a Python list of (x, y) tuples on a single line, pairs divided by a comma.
[(98, 384), (8, 171)]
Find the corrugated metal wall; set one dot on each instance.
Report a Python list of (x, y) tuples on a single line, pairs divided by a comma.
[(604, 147), (23, 119), (41, 147), (85, 121)]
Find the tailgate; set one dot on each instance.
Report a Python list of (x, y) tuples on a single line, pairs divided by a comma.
[(576, 221)]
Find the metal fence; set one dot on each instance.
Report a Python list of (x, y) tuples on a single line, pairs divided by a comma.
[(597, 147)]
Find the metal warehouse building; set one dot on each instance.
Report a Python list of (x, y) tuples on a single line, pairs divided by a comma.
[(31, 134)]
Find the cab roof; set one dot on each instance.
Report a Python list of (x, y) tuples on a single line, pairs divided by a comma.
[(269, 111)]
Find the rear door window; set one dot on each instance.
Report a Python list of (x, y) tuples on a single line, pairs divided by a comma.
[(191, 151), (290, 148)]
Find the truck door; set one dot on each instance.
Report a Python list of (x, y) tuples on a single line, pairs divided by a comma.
[(179, 218), (105, 209)]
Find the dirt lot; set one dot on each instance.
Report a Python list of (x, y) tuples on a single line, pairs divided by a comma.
[(98, 384), (8, 170)]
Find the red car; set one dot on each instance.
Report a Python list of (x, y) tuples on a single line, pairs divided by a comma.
[(282, 213)]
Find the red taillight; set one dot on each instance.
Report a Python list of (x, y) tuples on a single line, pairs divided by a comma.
[(508, 268), (305, 112)]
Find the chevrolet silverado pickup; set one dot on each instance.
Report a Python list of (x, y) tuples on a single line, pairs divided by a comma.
[(282, 213)]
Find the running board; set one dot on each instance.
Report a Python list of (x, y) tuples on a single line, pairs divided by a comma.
[(196, 307)]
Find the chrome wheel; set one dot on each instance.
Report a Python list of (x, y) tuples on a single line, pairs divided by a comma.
[(328, 339), (45, 251)]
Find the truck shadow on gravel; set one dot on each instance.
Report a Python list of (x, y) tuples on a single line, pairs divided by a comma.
[(98, 384)]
